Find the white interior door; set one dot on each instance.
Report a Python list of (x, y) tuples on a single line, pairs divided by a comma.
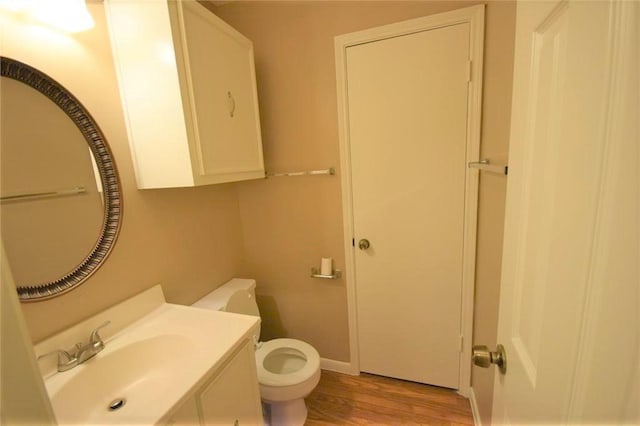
[(569, 302), (407, 108)]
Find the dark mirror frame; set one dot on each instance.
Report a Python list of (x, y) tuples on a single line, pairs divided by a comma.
[(112, 192)]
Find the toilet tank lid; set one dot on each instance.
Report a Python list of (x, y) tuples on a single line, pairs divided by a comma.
[(218, 298)]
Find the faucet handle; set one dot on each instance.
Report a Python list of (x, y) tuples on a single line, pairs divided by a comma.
[(64, 357), (95, 337), (66, 361)]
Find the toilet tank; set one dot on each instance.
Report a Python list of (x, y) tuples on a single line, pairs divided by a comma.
[(237, 295)]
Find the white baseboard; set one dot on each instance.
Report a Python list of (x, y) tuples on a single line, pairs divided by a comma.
[(464, 391), (474, 408), (337, 366)]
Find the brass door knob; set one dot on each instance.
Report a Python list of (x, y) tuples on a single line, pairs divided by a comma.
[(483, 357), (364, 244)]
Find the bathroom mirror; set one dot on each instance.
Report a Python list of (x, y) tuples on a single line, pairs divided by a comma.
[(61, 201)]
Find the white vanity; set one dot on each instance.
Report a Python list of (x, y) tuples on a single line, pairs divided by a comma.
[(162, 364)]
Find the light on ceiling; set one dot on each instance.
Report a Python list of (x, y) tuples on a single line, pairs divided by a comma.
[(66, 15)]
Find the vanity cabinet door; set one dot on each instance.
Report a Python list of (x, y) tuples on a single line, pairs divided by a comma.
[(233, 396), (186, 415), (188, 90)]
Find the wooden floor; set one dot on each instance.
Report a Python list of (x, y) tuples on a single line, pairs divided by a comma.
[(341, 399)]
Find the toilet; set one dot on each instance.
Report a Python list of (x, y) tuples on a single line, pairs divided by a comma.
[(288, 369)]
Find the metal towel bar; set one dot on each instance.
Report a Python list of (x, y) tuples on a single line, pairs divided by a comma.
[(485, 165), (35, 195), (330, 171)]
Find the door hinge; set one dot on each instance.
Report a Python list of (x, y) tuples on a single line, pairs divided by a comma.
[(469, 71), (461, 344)]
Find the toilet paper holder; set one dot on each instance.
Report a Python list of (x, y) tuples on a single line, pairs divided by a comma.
[(336, 273)]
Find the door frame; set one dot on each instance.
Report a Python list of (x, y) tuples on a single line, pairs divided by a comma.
[(474, 16)]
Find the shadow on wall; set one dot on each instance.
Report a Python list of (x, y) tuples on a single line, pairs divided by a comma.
[(271, 327)]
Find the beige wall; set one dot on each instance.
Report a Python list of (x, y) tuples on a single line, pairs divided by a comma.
[(498, 76), (187, 239), (289, 223)]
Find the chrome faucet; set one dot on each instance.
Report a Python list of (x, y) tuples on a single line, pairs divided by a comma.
[(80, 353)]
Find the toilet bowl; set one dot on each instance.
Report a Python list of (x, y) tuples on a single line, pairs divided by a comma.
[(288, 369)]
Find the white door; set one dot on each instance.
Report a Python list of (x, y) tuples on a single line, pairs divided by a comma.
[(569, 302), (407, 108)]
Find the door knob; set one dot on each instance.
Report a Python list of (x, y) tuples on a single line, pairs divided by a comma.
[(364, 244), (483, 357)]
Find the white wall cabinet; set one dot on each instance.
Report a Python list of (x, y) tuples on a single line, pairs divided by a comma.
[(188, 89), (230, 396)]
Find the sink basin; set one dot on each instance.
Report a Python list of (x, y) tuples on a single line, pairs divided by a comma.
[(119, 386), (148, 368)]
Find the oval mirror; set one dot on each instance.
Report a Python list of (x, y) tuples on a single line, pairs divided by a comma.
[(61, 202)]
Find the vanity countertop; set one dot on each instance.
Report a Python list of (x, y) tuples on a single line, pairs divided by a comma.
[(154, 363)]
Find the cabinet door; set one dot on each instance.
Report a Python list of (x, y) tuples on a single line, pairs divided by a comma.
[(233, 396), (186, 415), (223, 99)]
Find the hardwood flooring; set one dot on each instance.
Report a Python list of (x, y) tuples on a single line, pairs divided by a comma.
[(340, 399)]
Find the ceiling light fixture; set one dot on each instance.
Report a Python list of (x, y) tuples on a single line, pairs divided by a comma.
[(66, 15)]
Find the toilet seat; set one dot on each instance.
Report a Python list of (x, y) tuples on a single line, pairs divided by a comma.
[(309, 370)]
